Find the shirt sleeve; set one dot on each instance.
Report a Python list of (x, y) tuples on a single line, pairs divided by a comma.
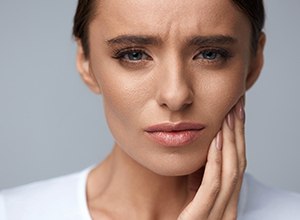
[(2, 208)]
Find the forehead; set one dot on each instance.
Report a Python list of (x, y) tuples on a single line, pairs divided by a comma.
[(171, 18)]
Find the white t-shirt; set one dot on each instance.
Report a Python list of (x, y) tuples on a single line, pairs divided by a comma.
[(64, 198)]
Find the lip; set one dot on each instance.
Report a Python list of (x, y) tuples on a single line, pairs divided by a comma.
[(175, 134)]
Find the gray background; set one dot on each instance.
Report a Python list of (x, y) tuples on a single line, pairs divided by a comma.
[(50, 124)]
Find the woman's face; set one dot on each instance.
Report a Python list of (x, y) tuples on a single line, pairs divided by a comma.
[(168, 61)]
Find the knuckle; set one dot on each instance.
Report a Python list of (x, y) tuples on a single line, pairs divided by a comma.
[(243, 165), (218, 160), (241, 131), (215, 188), (234, 177), (231, 139)]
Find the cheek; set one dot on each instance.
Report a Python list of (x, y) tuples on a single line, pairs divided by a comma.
[(124, 98), (224, 92), (219, 94)]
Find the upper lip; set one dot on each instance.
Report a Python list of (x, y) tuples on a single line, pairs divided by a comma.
[(169, 127)]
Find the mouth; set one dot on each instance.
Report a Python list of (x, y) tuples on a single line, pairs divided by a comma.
[(175, 134)]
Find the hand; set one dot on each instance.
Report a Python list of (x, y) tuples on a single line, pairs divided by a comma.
[(217, 197)]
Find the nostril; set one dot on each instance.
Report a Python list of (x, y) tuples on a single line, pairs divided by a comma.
[(176, 102)]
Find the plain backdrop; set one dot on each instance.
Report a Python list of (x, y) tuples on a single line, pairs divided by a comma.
[(51, 124)]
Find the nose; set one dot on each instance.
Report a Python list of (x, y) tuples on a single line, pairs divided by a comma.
[(174, 87)]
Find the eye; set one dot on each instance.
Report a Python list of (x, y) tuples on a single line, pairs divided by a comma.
[(213, 55), (134, 56), (209, 55), (131, 55)]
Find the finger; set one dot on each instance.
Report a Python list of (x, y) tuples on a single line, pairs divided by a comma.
[(202, 203), (232, 207), (240, 135), (229, 168)]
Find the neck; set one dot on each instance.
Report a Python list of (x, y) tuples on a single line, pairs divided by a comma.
[(123, 186)]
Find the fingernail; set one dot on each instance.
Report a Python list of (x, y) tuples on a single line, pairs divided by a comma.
[(230, 120), (219, 141), (239, 109)]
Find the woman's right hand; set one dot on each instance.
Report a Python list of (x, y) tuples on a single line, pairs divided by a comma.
[(217, 196)]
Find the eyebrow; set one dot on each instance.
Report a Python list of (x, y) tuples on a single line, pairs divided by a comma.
[(153, 40), (211, 40), (134, 39)]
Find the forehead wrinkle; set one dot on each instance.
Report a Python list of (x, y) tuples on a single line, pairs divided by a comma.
[(171, 29)]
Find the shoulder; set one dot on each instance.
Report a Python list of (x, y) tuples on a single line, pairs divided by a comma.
[(49, 199), (258, 201)]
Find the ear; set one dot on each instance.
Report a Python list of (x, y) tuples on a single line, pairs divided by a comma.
[(256, 62), (83, 67)]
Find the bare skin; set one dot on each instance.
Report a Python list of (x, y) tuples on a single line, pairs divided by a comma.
[(152, 64)]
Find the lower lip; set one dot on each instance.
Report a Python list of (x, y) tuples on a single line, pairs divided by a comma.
[(175, 138)]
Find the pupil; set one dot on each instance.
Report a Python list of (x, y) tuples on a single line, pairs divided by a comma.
[(135, 56), (210, 55)]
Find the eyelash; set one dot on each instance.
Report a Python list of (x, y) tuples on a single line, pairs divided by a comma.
[(219, 54), (120, 55)]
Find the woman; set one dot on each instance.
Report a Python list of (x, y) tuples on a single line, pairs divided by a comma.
[(173, 78)]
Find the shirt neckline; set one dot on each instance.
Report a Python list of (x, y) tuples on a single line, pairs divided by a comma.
[(82, 194)]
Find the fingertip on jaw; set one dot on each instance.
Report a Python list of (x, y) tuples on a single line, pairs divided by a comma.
[(219, 140)]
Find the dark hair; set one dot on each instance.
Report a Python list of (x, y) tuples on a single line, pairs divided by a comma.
[(86, 10), (255, 11)]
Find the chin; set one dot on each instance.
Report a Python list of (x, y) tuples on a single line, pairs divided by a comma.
[(180, 171), (177, 167)]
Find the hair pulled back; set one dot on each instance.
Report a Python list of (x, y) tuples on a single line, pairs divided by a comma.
[(86, 10)]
